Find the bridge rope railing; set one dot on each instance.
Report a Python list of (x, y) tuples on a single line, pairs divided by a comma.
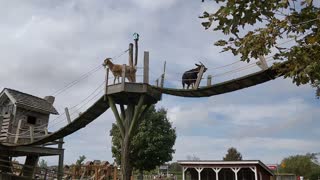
[(177, 76), (62, 117)]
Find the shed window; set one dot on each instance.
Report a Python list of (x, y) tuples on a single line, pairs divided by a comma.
[(31, 120)]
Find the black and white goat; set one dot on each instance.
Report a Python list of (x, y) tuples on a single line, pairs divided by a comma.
[(190, 77)]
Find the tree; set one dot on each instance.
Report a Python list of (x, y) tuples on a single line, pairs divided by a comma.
[(301, 165), (258, 28), (233, 155), (80, 160), (193, 157), (151, 145), (43, 164)]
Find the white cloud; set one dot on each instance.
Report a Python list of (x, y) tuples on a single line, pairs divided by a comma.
[(154, 5)]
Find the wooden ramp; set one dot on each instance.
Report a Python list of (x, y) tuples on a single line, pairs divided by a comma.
[(84, 119), (224, 87)]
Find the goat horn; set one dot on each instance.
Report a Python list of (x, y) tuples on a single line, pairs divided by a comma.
[(200, 62)]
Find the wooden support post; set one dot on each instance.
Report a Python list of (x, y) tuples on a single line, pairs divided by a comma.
[(146, 68), (107, 83), (45, 129), (68, 115), (163, 75), (209, 80), (61, 157), (30, 166), (200, 74), (1, 121), (18, 132), (157, 82), (31, 128), (262, 63), (123, 80), (131, 55)]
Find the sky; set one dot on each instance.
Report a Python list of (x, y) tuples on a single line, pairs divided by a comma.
[(45, 45)]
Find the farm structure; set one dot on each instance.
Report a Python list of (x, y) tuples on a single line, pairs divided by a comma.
[(24, 114), (24, 118), (230, 170)]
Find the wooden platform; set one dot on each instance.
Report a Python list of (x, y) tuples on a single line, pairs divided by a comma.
[(16, 151), (123, 93)]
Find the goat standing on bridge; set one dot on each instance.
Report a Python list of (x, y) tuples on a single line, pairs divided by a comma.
[(190, 77), (116, 70)]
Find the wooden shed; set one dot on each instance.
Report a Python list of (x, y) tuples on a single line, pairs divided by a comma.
[(24, 117)]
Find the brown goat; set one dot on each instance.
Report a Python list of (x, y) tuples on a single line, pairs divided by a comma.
[(116, 70)]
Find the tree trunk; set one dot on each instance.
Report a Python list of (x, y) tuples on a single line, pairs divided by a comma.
[(126, 168)]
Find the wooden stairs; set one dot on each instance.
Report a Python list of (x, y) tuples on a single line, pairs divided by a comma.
[(4, 128)]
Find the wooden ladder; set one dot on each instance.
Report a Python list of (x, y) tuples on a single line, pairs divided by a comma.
[(4, 128)]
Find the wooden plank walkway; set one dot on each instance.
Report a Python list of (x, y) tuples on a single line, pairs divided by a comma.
[(86, 117), (224, 87)]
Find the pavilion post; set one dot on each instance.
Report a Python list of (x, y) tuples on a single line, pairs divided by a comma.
[(216, 170), (235, 170), (184, 169), (254, 169), (199, 169)]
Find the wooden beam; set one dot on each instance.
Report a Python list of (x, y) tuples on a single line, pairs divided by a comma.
[(136, 115), (116, 114), (68, 115), (146, 67), (196, 86)]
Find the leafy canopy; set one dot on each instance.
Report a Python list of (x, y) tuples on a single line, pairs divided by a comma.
[(80, 160), (151, 145), (287, 29), (233, 155), (301, 165)]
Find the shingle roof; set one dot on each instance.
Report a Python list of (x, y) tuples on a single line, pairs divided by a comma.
[(24, 99)]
